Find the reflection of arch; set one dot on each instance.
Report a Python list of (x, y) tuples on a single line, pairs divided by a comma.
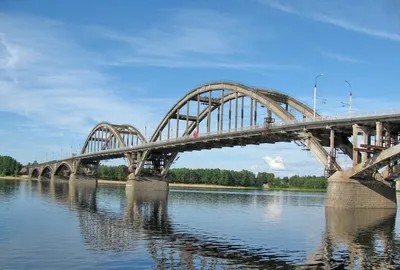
[(227, 92), (108, 136), (47, 171)]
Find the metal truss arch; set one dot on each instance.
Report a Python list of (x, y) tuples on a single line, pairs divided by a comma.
[(261, 96), (103, 126), (272, 100), (134, 131)]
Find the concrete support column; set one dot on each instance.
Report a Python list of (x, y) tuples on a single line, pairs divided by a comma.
[(346, 192), (387, 145), (365, 140), (72, 177), (355, 144), (379, 130), (331, 150)]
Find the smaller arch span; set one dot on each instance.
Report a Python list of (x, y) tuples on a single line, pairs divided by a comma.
[(35, 173), (112, 136), (63, 169), (47, 171)]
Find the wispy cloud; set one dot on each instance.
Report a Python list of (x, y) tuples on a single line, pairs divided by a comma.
[(333, 13), (47, 77), (341, 58), (193, 39)]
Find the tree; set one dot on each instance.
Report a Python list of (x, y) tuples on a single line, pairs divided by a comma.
[(9, 166)]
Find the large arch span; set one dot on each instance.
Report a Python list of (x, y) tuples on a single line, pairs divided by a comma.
[(221, 106)]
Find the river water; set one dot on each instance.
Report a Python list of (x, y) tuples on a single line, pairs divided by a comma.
[(61, 226)]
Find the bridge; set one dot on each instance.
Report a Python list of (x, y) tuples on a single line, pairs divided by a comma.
[(225, 114)]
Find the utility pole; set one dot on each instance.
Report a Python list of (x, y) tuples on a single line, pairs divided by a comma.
[(315, 93), (350, 97)]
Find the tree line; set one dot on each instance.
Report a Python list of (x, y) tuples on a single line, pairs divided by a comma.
[(112, 172), (244, 178), (9, 166)]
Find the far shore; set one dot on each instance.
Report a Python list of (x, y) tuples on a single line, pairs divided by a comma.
[(180, 185)]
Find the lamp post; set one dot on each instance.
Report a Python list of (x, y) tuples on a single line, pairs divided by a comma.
[(315, 93), (350, 97)]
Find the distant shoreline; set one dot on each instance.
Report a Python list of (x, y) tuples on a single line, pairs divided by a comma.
[(180, 185)]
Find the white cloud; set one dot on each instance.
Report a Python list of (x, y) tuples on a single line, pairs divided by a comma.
[(354, 17), (47, 77), (275, 164)]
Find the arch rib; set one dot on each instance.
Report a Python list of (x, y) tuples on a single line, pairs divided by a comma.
[(110, 127), (136, 132)]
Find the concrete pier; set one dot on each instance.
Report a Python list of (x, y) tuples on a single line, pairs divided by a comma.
[(147, 184), (344, 192)]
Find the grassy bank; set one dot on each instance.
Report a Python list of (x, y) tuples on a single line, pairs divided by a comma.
[(15, 177)]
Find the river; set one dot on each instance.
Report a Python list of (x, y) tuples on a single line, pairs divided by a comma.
[(61, 226)]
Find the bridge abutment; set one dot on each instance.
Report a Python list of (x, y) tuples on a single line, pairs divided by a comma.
[(345, 192)]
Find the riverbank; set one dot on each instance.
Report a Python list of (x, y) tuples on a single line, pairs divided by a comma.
[(298, 189), (208, 186), (15, 177), (111, 182), (180, 185)]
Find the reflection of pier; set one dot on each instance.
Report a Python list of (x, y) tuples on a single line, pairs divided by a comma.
[(358, 238), (366, 235)]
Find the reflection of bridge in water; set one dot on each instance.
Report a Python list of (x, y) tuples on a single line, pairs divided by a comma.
[(356, 238)]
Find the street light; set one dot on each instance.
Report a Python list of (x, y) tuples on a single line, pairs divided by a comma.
[(351, 97), (315, 93)]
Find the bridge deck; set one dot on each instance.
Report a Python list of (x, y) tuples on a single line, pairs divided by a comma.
[(278, 132)]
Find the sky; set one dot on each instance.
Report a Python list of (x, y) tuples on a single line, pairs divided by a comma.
[(67, 65)]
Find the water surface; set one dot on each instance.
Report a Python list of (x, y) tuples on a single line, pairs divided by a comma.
[(49, 226)]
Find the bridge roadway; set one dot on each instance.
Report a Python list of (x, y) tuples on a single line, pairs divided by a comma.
[(285, 131)]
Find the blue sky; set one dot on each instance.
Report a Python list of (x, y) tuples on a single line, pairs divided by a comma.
[(66, 65)]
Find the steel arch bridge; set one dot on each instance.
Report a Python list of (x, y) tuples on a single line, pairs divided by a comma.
[(216, 115), (231, 106)]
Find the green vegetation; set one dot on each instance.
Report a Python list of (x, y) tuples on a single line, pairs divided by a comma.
[(245, 179), (226, 178), (112, 172), (9, 166)]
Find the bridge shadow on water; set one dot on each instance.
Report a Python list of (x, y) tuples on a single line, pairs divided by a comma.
[(353, 239)]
